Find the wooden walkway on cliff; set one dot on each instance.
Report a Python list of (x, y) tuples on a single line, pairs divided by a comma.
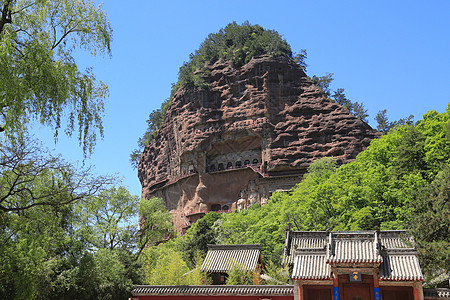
[(165, 183)]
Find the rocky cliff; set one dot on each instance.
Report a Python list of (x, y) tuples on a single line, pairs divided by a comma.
[(252, 131)]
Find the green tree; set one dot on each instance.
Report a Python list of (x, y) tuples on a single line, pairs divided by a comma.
[(114, 273), (355, 108), (257, 225), (39, 79), (171, 269), (384, 125), (41, 246), (300, 59), (30, 176), (239, 275), (275, 274), (196, 240), (46, 248), (60, 250), (430, 224), (324, 83), (155, 223), (105, 219)]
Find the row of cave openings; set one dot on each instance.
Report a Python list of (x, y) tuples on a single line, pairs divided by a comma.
[(238, 164), (219, 208)]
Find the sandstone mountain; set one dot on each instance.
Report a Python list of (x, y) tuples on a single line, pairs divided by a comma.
[(253, 130)]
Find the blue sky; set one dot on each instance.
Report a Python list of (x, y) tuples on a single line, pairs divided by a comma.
[(390, 55)]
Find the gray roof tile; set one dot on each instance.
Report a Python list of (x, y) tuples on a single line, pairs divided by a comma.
[(222, 258), (311, 267), (440, 293), (354, 251), (303, 239), (258, 290), (312, 253), (398, 266), (395, 239)]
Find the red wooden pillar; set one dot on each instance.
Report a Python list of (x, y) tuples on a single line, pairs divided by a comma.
[(417, 293), (300, 292), (418, 290), (335, 287), (376, 287)]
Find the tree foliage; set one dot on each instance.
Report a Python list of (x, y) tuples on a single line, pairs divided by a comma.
[(47, 255), (104, 219), (238, 275), (300, 59), (195, 242), (384, 125), (430, 224), (237, 44), (155, 223), (355, 108), (30, 176), (61, 232), (170, 269), (39, 78)]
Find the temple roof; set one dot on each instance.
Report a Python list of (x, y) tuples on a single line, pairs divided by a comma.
[(311, 267), (353, 250), (204, 290), (314, 253), (222, 258)]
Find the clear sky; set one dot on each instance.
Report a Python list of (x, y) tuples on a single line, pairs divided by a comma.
[(392, 55)]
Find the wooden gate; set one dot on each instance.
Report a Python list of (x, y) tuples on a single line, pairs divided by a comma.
[(357, 291)]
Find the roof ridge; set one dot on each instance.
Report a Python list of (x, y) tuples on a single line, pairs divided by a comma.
[(233, 246)]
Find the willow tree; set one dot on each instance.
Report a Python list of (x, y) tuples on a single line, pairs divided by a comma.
[(39, 78)]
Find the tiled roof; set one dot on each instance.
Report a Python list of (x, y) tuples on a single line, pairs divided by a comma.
[(303, 239), (395, 239), (313, 253), (354, 251), (222, 258), (204, 290), (400, 266), (436, 293), (311, 267)]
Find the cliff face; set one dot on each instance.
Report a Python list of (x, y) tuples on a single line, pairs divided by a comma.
[(253, 131)]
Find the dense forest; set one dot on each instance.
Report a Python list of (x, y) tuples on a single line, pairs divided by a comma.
[(66, 233)]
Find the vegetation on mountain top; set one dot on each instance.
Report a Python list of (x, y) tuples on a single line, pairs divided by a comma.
[(236, 44)]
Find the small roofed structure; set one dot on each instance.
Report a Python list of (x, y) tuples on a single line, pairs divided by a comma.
[(431, 293), (220, 259), (367, 265)]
